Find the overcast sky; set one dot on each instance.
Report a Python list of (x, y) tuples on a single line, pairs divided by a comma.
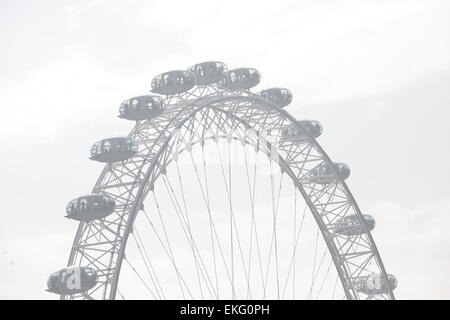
[(376, 74)]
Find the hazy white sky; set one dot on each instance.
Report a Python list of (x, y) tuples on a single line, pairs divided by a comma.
[(375, 73)]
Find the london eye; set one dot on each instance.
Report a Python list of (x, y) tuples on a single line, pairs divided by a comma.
[(218, 192)]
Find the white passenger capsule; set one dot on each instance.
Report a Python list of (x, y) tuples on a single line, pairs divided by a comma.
[(141, 108), (311, 129), (173, 82), (112, 150), (241, 79), (278, 96), (324, 173), (90, 207), (209, 72), (351, 225), (376, 284)]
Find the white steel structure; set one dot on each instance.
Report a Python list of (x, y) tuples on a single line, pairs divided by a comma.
[(226, 253)]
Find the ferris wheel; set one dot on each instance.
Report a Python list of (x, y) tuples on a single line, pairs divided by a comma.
[(219, 193)]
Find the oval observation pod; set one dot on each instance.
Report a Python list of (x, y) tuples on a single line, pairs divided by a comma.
[(292, 133), (90, 207), (376, 284), (141, 108), (278, 96), (241, 79), (351, 225), (72, 280), (113, 149), (173, 82), (324, 173), (209, 72)]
